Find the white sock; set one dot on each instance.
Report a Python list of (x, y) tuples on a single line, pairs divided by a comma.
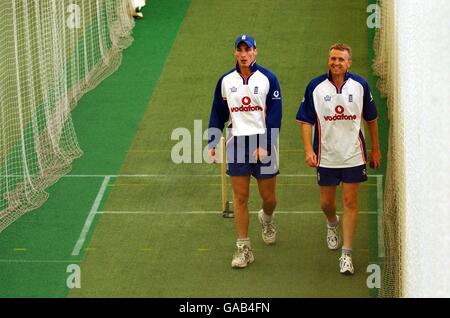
[(347, 250), (267, 217), (243, 241), (335, 223)]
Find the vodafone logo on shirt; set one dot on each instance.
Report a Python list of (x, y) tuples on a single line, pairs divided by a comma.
[(245, 107), (246, 100), (339, 109)]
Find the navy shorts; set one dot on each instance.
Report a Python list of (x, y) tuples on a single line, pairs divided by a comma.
[(258, 170), (334, 176), (240, 161)]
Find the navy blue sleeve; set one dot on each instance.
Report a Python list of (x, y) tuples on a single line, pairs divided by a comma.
[(273, 110), (369, 107), (306, 111), (219, 116)]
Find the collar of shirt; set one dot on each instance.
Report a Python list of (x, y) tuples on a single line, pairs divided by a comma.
[(253, 68), (346, 76)]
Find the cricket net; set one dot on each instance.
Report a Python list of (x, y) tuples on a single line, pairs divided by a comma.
[(412, 62), (52, 53)]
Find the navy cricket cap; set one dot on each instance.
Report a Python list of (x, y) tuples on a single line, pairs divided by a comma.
[(247, 39)]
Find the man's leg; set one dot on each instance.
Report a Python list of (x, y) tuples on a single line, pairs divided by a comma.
[(240, 186), (266, 188), (243, 255), (267, 192), (350, 206), (328, 203), (328, 206)]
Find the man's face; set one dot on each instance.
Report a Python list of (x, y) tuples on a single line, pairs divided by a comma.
[(245, 55), (339, 62)]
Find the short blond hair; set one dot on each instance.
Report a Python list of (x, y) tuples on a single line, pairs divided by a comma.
[(342, 47)]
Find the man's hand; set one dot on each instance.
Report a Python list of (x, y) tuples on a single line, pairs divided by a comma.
[(212, 154), (306, 133), (375, 159), (311, 158), (260, 154), (375, 154)]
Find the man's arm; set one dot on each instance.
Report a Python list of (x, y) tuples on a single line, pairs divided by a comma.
[(306, 133), (375, 153), (219, 116), (273, 120), (306, 117), (370, 115)]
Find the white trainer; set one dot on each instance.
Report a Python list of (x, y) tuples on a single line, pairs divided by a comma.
[(333, 236), (269, 231), (346, 265), (243, 256)]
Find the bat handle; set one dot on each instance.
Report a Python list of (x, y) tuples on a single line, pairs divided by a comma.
[(223, 165)]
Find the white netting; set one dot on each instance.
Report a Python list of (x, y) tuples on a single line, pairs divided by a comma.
[(413, 64), (386, 67), (52, 52)]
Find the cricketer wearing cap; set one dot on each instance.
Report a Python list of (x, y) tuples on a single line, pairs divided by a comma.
[(249, 98)]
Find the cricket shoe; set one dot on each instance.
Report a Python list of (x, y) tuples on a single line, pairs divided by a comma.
[(333, 237), (269, 231), (242, 256), (346, 265)]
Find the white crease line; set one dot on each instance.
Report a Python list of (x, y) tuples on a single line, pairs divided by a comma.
[(217, 212), (168, 175), (38, 261), (90, 217)]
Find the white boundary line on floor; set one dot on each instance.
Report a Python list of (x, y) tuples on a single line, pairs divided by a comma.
[(214, 212), (38, 261), (91, 216), (180, 175)]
